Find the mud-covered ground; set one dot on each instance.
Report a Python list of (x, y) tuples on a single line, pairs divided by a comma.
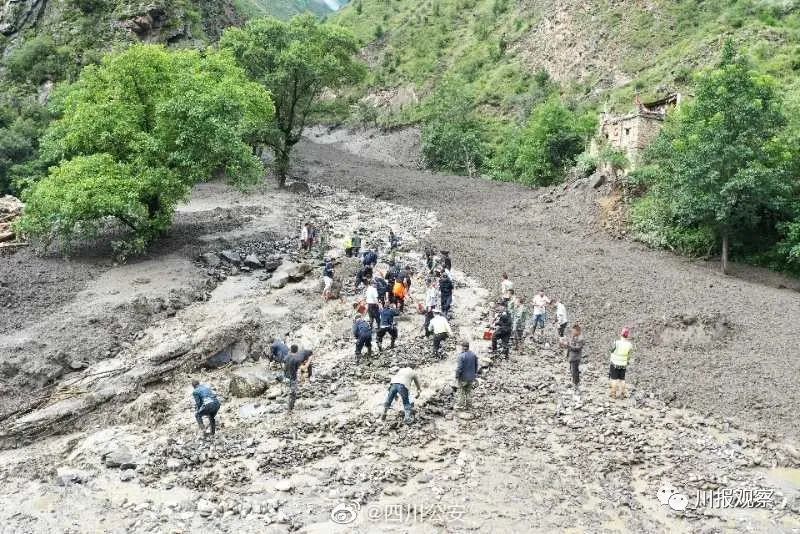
[(109, 444), (719, 344)]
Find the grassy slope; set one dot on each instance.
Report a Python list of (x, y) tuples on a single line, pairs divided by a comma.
[(282, 9), (601, 51)]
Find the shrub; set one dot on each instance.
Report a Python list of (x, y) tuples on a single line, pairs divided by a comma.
[(37, 60)]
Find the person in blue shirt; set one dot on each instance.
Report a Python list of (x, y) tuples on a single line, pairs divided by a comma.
[(278, 351), (386, 325), (370, 258), (206, 404), (466, 373), (362, 332)]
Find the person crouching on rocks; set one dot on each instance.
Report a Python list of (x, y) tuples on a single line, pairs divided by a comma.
[(441, 331), (362, 332), (503, 325), (620, 358), (206, 405), (399, 385)]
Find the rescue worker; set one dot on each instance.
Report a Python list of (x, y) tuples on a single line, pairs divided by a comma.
[(363, 336), (446, 294), (620, 358), (447, 263), (328, 273), (373, 308), (294, 361), (502, 329), (399, 292), (399, 385), (506, 287), (540, 303), (466, 373), (382, 286), (386, 325), (520, 320), (304, 237), (574, 345), (441, 331), (431, 302), (278, 350), (363, 276), (370, 259), (561, 317), (206, 405), (392, 275), (348, 246), (394, 241)]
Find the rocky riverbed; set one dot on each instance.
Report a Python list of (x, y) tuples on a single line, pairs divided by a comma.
[(111, 444)]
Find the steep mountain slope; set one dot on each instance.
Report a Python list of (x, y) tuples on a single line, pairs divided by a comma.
[(601, 49), (285, 9)]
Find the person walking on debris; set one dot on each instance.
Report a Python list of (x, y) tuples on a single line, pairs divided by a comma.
[(206, 405), (430, 259), (394, 241), (399, 292), (327, 279), (363, 276), (278, 351), (574, 345), (431, 301), (519, 318), (399, 385), (503, 325), (506, 288), (540, 302), (561, 317), (447, 263), (370, 259), (446, 294), (362, 332), (392, 275), (304, 237), (466, 373), (382, 286), (348, 246), (373, 308), (620, 358), (293, 363), (386, 325), (441, 331)]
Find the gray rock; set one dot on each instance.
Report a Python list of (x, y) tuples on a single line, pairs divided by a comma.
[(247, 383), (300, 188), (127, 475), (78, 365), (253, 262), (597, 180), (272, 264), (279, 280), (231, 257), (120, 456)]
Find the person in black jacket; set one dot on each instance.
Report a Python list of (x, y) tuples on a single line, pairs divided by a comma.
[(363, 335), (502, 329), (386, 325), (446, 292), (447, 263)]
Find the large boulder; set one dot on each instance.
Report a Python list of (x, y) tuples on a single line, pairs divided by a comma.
[(289, 272), (253, 262), (120, 456), (248, 383), (300, 188), (231, 257), (210, 259)]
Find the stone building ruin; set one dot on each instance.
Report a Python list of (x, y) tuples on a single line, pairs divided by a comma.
[(634, 132)]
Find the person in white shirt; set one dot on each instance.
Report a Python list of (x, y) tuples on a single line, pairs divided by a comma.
[(400, 384), (540, 302), (441, 331), (561, 317), (506, 287), (304, 234), (373, 309), (431, 301)]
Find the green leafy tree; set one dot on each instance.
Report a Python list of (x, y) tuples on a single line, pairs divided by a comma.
[(296, 61), (452, 137), (135, 133), (550, 142), (721, 167)]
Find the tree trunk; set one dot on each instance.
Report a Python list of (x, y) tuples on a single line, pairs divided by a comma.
[(281, 165), (725, 253)]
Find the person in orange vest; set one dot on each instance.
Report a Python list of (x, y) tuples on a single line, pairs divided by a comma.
[(399, 291)]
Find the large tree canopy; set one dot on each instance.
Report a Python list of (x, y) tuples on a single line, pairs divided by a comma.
[(721, 168), (295, 61), (135, 133)]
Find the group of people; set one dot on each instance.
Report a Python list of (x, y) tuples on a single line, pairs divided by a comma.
[(384, 298)]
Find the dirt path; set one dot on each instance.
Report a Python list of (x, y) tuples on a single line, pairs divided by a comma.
[(718, 344)]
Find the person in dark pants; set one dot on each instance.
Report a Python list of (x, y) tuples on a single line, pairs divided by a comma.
[(383, 288), (373, 306), (466, 373), (441, 331), (574, 345), (206, 405), (447, 263), (399, 385), (446, 293), (502, 330), (363, 335), (294, 362), (386, 326), (370, 259)]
